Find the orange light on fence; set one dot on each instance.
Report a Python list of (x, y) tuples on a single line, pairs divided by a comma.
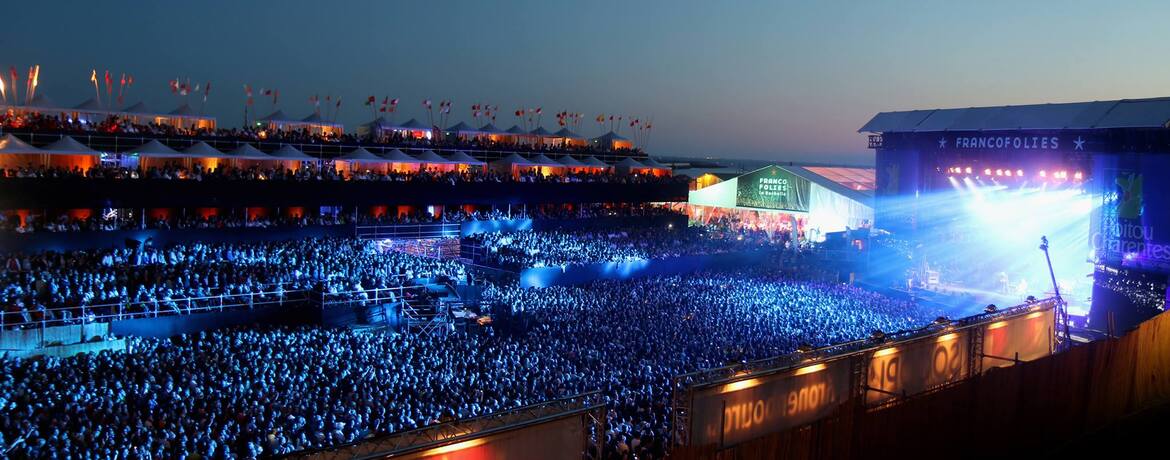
[(739, 385), (1034, 315), (885, 352), (997, 325), (810, 369), (455, 447), (947, 337)]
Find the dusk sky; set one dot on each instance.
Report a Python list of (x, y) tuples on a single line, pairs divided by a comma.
[(762, 80)]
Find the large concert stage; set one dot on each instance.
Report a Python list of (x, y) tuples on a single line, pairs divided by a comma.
[(968, 193)]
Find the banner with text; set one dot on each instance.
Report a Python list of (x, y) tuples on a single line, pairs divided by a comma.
[(1132, 223), (773, 187)]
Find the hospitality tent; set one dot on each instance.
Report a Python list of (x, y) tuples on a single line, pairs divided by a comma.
[(360, 158), (463, 158), (278, 121), (138, 113), (462, 130), (291, 157), (246, 156), (204, 155), (568, 138), (67, 153), (570, 162), (515, 134), (413, 129), (89, 112), (15, 153), (401, 162), (593, 162), (516, 165), (542, 136), (612, 141), (656, 168), (187, 118), (775, 197), (155, 154), (630, 166)]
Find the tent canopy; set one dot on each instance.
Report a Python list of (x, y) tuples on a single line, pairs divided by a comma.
[(276, 116), (247, 152), (516, 129), (431, 157), (570, 161), (154, 148), (540, 131), (514, 160), (542, 160), (650, 163), (184, 110), (413, 124), (90, 105), (69, 146), (629, 163), (490, 129), (463, 158), (41, 101), (361, 154), (398, 156), (593, 161), (202, 150), (462, 127), (13, 145), (609, 137), (138, 109), (567, 133), (288, 152)]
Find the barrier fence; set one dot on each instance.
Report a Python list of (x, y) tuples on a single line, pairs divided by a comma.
[(565, 428), (106, 312), (730, 405), (411, 231)]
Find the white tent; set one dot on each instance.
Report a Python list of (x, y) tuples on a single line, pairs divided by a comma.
[(247, 152), (202, 150), (69, 146), (154, 148), (288, 152), (430, 157), (13, 145), (398, 156), (361, 155), (463, 158)]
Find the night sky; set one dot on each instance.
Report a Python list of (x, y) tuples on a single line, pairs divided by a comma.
[(766, 80)]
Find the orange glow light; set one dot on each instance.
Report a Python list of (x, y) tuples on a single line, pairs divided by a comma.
[(948, 337), (997, 325), (810, 369), (740, 385), (885, 352), (455, 447)]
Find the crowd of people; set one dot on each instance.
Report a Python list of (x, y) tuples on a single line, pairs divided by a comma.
[(74, 286), (94, 220), (252, 393), (44, 123), (515, 250), (310, 171)]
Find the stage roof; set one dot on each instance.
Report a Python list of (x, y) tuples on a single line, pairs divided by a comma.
[(1124, 113)]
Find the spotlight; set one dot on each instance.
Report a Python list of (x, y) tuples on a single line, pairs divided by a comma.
[(1008, 173), (805, 348), (1078, 176), (999, 172), (1043, 173), (968, 170), (1020, 172), (987, 171), (991, 308), (877, 336), (1030, 299), (941, 321)]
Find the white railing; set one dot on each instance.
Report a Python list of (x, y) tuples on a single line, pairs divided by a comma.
[(147, 309)]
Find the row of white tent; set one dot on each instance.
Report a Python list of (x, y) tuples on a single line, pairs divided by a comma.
[(66, 145)]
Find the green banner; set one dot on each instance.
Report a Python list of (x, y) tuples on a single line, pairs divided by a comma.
[(773, 187)]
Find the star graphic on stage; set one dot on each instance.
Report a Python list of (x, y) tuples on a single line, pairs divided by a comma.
[(942, 142), (1080, 143)]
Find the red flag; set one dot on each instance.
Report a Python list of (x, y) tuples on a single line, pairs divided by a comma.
[(539, 110), (248, 93), (129, 80), (370, 100), (394, 102), (206, 91), (426, 103)]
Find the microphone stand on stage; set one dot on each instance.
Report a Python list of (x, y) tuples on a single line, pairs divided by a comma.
[(1061, 305)]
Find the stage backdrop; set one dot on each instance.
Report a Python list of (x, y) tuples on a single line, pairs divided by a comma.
[(1132, 228)]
